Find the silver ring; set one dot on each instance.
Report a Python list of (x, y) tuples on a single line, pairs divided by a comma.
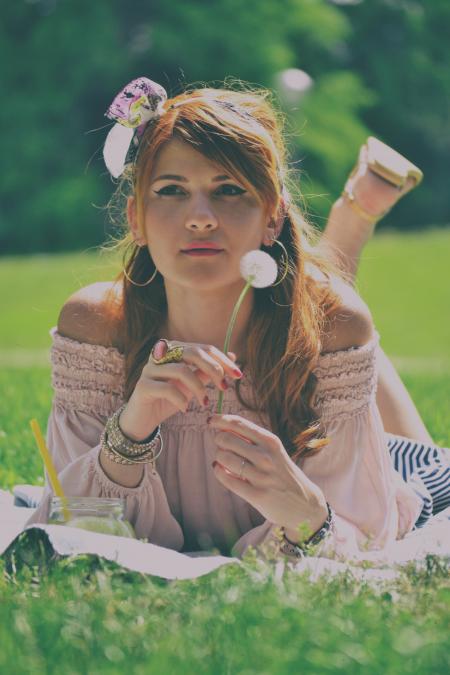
[(242, 468)]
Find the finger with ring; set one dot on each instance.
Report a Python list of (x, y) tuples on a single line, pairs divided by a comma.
[(163, 352), (238, 467), (237, 425)]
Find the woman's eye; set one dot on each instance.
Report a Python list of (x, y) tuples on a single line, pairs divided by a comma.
[(240, 191), (234, 187), (163, 190)]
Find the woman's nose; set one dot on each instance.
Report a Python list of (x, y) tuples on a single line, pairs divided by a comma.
[(201, 217)]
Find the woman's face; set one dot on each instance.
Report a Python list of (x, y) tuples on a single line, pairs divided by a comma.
[(198, 203)]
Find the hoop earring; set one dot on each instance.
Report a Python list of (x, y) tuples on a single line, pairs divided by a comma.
[(135, 283), (286, 262)]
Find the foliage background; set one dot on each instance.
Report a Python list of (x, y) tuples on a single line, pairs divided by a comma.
[(379, 67)]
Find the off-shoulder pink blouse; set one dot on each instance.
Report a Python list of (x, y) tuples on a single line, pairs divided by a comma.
[(181, 504)]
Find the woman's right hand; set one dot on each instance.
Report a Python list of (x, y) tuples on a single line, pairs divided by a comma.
[(162, 390)]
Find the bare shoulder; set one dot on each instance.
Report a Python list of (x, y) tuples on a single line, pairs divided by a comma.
[(86, 316), (351, 325)]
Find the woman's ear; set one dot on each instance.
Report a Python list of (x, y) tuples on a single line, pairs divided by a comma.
[(270, 233), (275, 225), (132, 220)]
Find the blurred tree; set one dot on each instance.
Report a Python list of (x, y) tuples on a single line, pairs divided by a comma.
[(232, 37), (331, 134), (67, 59), (327, 118), (62, 56), (401, 50)]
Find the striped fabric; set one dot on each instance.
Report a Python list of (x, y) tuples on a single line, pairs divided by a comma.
[(426, 468)]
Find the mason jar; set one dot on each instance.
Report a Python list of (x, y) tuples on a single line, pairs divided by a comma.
[(95, 514)]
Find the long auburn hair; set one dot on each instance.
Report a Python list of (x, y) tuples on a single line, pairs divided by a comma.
[(242, 131)]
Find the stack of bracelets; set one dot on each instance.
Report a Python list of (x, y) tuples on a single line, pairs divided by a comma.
[(123, 450), (299, 550)]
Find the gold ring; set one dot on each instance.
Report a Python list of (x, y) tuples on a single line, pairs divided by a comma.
[(172, 355)]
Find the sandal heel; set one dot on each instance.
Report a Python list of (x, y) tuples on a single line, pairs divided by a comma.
[(390, 165)]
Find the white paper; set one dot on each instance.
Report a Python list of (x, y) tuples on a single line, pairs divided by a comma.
[(159, 561)]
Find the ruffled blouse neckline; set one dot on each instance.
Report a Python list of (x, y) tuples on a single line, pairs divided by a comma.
[(116, 358), (91, 376)]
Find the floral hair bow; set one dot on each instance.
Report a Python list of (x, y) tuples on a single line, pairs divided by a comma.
[(139, 102)]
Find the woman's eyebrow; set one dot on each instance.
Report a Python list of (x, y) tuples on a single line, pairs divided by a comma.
[(171, 176)]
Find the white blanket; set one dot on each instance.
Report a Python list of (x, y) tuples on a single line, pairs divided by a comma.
[(159, 561)]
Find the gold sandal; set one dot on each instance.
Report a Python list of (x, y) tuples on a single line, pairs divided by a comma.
[(389, 165)]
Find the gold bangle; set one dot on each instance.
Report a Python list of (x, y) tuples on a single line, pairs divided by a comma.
[(114, 456)]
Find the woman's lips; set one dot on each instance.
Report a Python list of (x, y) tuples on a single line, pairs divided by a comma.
[(203, 251)]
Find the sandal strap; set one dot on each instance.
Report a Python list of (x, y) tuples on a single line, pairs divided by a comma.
[(356, 206)]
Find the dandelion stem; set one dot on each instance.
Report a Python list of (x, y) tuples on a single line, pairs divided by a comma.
[(230, 329)]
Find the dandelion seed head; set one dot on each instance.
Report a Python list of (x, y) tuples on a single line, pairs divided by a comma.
[(259, 265)]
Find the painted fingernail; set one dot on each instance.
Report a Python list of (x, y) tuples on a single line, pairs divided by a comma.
[(224, 385), (160, 349), (206, 401), (237, 372)]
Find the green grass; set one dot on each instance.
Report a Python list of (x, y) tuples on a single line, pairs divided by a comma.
[(86, 615), (41, 284), (27, 393), (404, 280)]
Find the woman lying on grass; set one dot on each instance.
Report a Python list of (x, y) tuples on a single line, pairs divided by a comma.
[(301, 438)]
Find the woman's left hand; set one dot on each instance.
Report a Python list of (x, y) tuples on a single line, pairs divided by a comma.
[(270, 481)]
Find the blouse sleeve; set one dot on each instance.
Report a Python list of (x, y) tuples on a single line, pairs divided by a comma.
[(372, 503), (88, 388)]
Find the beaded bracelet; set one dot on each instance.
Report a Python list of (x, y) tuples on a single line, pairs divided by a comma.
[(121, 449), (126, 445), (299, 549)]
